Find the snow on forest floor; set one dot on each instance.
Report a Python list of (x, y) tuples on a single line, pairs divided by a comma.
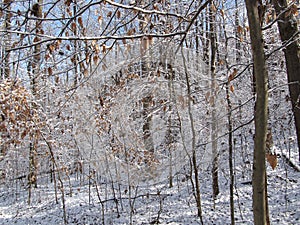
[(155, 202)]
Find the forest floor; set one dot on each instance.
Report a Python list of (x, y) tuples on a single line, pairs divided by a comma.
[(153, 203)]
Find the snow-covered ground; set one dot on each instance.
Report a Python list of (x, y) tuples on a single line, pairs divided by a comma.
[(150, 203)]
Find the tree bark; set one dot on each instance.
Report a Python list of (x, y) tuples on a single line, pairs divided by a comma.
[(147, 101), (237, 33), (230, 119), (37, 53), (194, 153), (230, 148), (289, 34), (147, 124), (35, 77), (261, 75), (7, 41), (214, 123)]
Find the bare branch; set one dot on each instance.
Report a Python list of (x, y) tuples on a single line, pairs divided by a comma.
[(49, 38), (145, 11), (192, 22)]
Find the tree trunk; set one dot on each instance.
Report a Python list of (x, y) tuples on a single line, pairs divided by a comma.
[(194, 155), (35, 77), (230, 148), (172, 130), (147, 124), (7, 41), (214, 128), (230, 119), (147, 101), (76, 48), (237, 33), (289, 34), (260, 72), (5, 70), (37, 53)]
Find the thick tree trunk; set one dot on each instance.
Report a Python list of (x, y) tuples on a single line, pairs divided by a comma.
[(35, 74), (261, 115), (5, 70), (289, 34)]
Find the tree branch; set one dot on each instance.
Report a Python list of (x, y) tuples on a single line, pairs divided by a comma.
[(191, 23), (145, 11), (97, 38)]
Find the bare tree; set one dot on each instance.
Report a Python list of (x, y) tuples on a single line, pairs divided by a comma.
[(214, 123), (35, 76), (5, 70), (289, 33), (194, 152), (261, 114)]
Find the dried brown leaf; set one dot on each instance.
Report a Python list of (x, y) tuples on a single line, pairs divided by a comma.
[(232, 75), (131, 32), (95, 59), (68, 2), (118, 14), (36, 39), (56, 80), (240, 30), (80, 21), (222, 13), (213, 8), (85, 72), (272, 160), (23, 134), (69, 12), (104, 48), (221, 62), (47, 56), (97, 49), (109, 14), (74, 27), (50, 71), (51, 48), (294, 10), (100, 19)]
